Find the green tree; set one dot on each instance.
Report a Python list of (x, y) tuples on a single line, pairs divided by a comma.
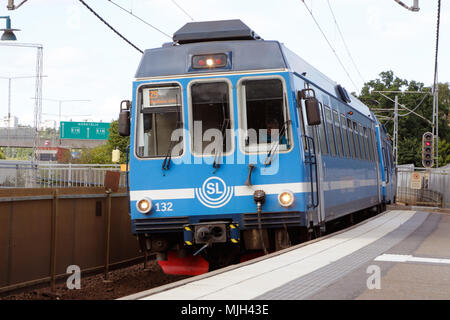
[(117, 141), (410, 126), (444, 152), (2, 155), (102, 154)]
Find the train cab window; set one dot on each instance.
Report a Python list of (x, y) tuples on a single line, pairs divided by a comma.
[(158, 118), (330, 131), (264, 115), (337, 129), (210, 128), (345, 136), (356, 138)]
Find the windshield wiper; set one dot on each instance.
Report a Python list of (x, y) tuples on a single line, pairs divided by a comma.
[(225, 124), (216, 163), (168, 158), (271, 152)]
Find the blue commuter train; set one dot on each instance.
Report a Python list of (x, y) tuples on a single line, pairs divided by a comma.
[(238, 146)]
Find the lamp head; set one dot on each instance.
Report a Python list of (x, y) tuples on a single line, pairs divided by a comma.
[(8, 34)]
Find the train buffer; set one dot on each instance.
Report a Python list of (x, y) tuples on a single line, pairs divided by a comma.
[(400, 254)]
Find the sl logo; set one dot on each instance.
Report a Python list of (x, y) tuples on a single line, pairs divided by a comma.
[(214, 193)]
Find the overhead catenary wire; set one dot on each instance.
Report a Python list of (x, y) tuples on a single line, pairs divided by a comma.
[(411, 111), (185, 12), (329, 44), (109, 26), (140, 19), (345, 44)]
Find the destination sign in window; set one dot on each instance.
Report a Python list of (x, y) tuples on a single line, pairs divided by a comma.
[(160, 97)]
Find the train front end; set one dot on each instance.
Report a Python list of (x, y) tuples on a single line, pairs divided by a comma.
[(215, 157)]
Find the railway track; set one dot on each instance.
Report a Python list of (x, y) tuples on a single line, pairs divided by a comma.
[(123, 281)]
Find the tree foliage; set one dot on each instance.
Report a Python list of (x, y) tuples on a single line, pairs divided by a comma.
[(102, 154), (410, 126)]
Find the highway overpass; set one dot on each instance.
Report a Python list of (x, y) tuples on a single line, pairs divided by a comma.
[(24, 138)]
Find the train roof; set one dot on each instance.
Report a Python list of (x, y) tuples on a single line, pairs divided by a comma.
[(247, 50), (213, 31)]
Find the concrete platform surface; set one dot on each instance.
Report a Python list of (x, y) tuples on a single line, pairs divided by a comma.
[(397, 255)]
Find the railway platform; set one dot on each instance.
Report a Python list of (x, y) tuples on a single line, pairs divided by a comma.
[(400, 254)]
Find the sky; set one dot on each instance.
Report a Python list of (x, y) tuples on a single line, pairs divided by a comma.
[(85, 60)]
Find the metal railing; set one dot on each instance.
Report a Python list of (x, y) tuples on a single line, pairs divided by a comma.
[(424, 187), (24, 174)]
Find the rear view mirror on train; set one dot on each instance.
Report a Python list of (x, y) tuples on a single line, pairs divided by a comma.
[(311, 106), (124, 118)]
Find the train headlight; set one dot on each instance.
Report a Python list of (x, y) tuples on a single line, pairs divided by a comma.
[(144, 205), (286, 198)]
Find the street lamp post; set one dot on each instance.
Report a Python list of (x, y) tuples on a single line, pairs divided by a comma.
[(60, 102), (8, 32), (9, 100)]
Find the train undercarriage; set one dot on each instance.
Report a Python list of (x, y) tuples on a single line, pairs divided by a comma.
[(212, 245)]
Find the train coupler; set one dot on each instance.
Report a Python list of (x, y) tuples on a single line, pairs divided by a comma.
[(211, 232)]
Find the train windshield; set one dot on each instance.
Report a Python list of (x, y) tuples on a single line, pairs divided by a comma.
[(210, 130), (159, 117), (264, 115)]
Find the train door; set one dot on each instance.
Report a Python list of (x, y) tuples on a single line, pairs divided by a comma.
[(377, 162), (387, 173), (392, 173), (320, 165), (394, 177), (313, 166)]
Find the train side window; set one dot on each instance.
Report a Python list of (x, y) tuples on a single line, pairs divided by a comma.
[(375, 146), (392, 159), (337, 129), (356, 138), (350, 138), (264, 115), (345, 136), (330, 131), (302, 122), (159, 115), (210, 107), (386, 160), (362, 144), (323, 137), (369, 143)]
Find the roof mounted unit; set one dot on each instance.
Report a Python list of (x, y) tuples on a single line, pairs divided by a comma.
[(214, 31), (342, 93)]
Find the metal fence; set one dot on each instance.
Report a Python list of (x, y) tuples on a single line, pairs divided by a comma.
[(426, 187), (24, 174), (45, 230)]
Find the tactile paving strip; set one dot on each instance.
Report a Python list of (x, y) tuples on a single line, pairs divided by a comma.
[(307, 285)]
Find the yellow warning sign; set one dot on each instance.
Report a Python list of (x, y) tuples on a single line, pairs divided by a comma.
[(416, 180)]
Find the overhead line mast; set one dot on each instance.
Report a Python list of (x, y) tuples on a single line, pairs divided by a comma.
[(435, 89)]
